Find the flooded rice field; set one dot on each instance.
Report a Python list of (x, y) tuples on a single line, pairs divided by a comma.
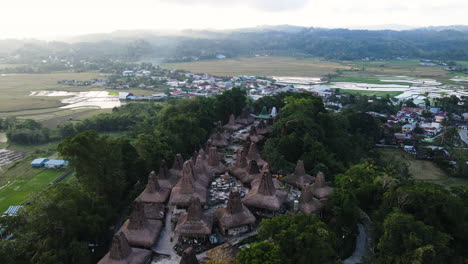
[(99, 99)]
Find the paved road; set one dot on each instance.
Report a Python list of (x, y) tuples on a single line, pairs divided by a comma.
[(364, 241), (464, 135)]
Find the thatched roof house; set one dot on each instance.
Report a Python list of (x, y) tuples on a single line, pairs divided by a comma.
[(188, 257), (140, 231), (253, 136), (154, 193), (254, 155), (187, 189), (122, 253), (234, 216), (195, 223), (299, 178), (251, 173), (213, 164), (320, 188), (245, 118), (262, 128), (177, 165), (218, 140), (232, 124), (202, 175), (264, 198), (307, 203), (240, 167), (165, 178)]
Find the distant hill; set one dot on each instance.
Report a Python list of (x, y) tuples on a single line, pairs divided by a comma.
[(440, 43)]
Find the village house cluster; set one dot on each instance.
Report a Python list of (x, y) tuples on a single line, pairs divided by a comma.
[(215, 198)]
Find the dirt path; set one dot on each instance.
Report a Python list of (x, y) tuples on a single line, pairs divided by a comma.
[(364, 241)]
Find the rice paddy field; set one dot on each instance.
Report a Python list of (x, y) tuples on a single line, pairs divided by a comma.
[(423, 170)]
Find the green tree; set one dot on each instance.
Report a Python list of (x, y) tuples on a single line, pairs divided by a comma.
[(260, 253)]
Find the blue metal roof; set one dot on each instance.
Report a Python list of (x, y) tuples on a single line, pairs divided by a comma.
[(12, 210), (57, 162), (39, 161)]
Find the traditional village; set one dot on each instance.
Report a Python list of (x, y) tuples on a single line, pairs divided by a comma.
[(215, 199)]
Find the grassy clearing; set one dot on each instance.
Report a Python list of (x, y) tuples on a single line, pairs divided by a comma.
[(423, 170), (262, 66), (370, 93)]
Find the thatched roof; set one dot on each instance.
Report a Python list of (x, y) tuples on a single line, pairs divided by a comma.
[(218, 140), (299, 178), (153, 192), (177, 165), (245, 118), (235, 214), (240, 167), (165, 178), (195, 222), (254, 155), (140, 231), (253, 136), (202, 175), (265, 169), (251, 173), (232, 124), (213, 164), (262, 128), (188, 257), (122, 253), (264, 194), (187, 188), (320, 188), (307, 203)]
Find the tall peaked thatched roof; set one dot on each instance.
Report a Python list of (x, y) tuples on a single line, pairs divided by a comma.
[(140, 231), (166, 179), (213, 164), (254, 155), (320, 188), (245, 118), (299, 178), (122, 253), (262, 128), (253, 136), (239, 169), (251, 172), (218, 140), (264, 194), (188, 257), (235, 214), (195, 222), (232, 124), (153, 192), (177, 165), (307, 203), (201, 173), (187, 188)]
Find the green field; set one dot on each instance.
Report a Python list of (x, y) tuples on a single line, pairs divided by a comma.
[(370, 93), (422, 169), (19, 190), (262, 66), (362, 79)]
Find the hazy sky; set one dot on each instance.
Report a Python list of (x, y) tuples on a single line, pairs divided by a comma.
[(54, 18)]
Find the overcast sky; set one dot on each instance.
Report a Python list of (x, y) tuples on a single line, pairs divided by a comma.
[(55, 18)]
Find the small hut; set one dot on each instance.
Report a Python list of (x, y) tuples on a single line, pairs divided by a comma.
[(122, 253), (187, 189), (140, 231), (165, 178), (254, 155), (195, 223), (307, 203), (232, 125), (235, 218), (299, 178), (153, 198), (188, 257), (264, 199), (213, 164), (320, 188)]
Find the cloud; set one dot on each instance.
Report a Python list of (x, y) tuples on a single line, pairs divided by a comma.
[(265, 5)]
